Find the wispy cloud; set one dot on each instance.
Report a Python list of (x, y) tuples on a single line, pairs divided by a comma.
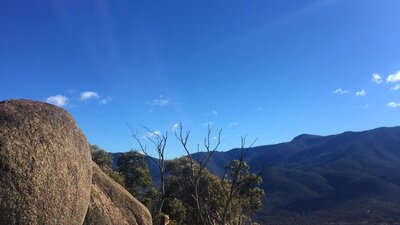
[(393, 104), (393, 78), (234, 124), (105, 101), (340, 91), (152, 134), (361, 93), (160, 101), (376, 78), (395, 88), (215, 113), (259, 108), (58, 100), (89, 95), (175, 127)]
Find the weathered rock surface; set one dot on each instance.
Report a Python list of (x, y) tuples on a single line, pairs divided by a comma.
[(45, 165), (111, 204)]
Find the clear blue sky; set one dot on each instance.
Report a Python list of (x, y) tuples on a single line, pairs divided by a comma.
[(269, 69)]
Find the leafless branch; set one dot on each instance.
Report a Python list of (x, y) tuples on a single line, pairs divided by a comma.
[(159, 141)]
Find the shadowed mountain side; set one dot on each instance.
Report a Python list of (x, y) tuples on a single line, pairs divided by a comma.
[(313, 176)]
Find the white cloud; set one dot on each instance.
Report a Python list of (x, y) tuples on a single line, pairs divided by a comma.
[(160, 101), (361, 93), (89, 95), (152, 134), (105, 101), (215, 113), (393, 78), (234, 124), (376, 78), (395, 88), (58, 100), (340, 91), (156, 133), (393, 104), (175, 127)]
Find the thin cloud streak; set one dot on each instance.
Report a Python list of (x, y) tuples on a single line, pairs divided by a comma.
[(340, 91), (393, 104), (160, 101)]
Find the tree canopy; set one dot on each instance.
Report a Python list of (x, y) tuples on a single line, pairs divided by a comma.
[(137, 178)]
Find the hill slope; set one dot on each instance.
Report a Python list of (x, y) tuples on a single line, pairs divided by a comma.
[(348, 178), (352, 177)]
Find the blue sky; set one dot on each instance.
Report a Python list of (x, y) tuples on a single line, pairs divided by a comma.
[(268, 69)]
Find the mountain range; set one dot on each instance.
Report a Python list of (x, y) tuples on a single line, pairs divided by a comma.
[(348, 178)]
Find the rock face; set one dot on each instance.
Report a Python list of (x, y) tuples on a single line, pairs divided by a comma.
[(45, 165), (111, 204)]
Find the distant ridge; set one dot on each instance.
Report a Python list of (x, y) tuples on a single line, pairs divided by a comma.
[(351, 178), (305, 137), (347, 178)]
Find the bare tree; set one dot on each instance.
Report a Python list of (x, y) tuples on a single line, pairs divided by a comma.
[(232, 182), (159, 141), (197, 168), (237, 181)]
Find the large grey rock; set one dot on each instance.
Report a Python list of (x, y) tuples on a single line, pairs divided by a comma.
[(45, 165), (111, 204)]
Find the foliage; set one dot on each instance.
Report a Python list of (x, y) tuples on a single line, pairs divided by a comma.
[(242, 188), (176, 210), (137, 178), (116, 176), (215, 200), (179, 188), (349, 178), (103, 159)]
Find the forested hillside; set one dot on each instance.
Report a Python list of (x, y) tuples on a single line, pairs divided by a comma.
[(350, 177)]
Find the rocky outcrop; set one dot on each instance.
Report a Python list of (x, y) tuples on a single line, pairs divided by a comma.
[(46, 173), (45, 165), (111, 204)]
